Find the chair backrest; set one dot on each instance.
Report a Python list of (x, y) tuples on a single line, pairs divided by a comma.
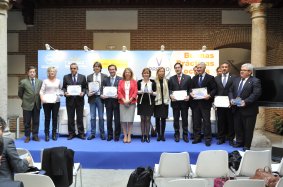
[(252, 160), (244, 183), (187, 183), (34, 180), (212, 163), (279, 183), (174, 164), (23, 153)]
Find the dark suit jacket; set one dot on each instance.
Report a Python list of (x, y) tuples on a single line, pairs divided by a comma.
[(81, 80), (208, 82), (250, 93), (152, 97), (221, 90), (106, 82), (28, 96), (173, 85), (91, 99), (11, 162), (10, 183)]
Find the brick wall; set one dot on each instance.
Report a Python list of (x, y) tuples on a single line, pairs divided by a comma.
[(176, 28)]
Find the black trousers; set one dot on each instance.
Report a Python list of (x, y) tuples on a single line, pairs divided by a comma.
[(225, 123), (160, 124), (50, 109), (244, 128), (77, 108), (113, 110), (34, 116), (183, 110), (201, 116)]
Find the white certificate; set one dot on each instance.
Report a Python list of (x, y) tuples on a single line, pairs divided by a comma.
[(74, 89), (199, 93), (221, 101), (180, 95), (110, 91), (93, 87), (50, 98)]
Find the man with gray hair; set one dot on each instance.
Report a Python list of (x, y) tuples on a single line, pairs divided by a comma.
[(243, 95)]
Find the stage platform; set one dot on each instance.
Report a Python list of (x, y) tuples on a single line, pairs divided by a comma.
[(100, 154)]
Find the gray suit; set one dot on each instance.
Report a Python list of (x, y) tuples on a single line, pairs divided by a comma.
[(31, 104), (11, 162)]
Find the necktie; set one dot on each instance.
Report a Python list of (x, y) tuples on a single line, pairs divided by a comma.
[(112, 81), (74, 80), (240, 87), (200, 80), (179, 79), (33, 85), (224, 80)]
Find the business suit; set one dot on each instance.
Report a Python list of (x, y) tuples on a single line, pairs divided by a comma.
[(225, 121), (75, 104), (180, 106), (10, 183), (112, 107), (95, 103), (31, 104), (245, 116), (11, 162), (201, 108)]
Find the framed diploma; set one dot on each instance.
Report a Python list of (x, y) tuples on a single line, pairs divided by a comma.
[(180, 95), (199, 93), (93, 86), (50, 98), (74, 89), (221, 101), (110, 91)]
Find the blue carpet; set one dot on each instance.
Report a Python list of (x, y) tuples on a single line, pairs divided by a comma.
[(100, 154)]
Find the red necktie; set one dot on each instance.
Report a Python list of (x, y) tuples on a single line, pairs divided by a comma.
[(179, 79)]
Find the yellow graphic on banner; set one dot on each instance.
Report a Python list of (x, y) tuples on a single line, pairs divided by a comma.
[(120, 63)]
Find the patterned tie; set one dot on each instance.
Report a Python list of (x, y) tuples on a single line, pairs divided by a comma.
[(200, 80), (240, 88), (74, 80), (33, 85), (224, 80), (179, 79)]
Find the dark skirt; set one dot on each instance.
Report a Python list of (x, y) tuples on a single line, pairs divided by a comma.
[(161, 111), (145, 109)]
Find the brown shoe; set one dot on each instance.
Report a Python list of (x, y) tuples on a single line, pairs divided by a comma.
[(35, 138), (27, 139)]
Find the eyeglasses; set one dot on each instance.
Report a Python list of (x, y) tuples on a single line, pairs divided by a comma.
[(73, 68)]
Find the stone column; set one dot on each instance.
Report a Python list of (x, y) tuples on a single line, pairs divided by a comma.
[(4, 6), (258, 59)]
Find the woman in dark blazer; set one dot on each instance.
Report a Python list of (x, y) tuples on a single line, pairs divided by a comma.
[(127, 94), (146, 96)]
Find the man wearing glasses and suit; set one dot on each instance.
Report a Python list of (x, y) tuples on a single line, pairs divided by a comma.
[(75, 103), (112, 105)]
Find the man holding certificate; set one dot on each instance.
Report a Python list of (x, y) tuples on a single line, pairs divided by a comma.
[(203, 91), (94, 90), (109, 95), (74, 87), (243, 95), (225, 118), (179, 86)]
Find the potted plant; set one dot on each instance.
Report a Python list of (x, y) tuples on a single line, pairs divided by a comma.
[(278, 123)]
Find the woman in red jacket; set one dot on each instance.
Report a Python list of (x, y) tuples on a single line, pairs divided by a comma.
[(127, 97)]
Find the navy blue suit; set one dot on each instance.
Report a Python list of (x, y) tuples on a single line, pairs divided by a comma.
[(245, 117)]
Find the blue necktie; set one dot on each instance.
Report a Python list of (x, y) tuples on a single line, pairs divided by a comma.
[(224, 80), (112, 81), (33, 85), (240, 88), (74, 80), (200, 80)]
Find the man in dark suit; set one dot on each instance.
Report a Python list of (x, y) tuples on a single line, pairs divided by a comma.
[(29, 93), (201, 106), (243, 95), (94, 100), (225, 121), (75, 103), (10, 161), (180, 82), (112, 105)]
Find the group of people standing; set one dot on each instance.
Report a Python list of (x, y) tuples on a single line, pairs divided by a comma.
[(151, 97)]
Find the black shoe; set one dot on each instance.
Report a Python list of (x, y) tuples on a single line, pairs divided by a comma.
[(116, 139), (236, 145), (147, 139), (158, 138), (163, 138), (196, 141), (208, 143), (92, 136), (102, 137), (231, 142), (54, 136), (220, 141), (71, 136), (27, 139), (81, 136), (47, 138), (143, 139), (185, 138), (35, 138), (109, 138), (246, 148), (176, 137)]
